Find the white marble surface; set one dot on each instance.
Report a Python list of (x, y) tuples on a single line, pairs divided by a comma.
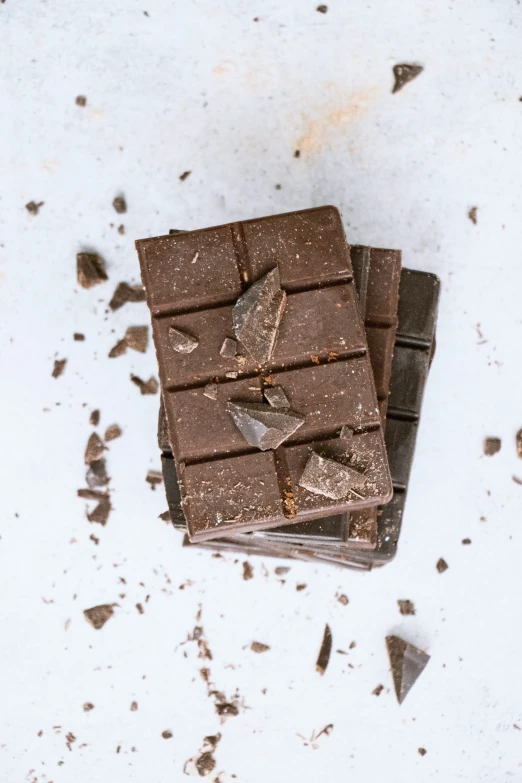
[(201, 86)]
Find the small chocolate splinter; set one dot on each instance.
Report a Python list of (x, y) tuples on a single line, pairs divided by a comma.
[(90, 269), (404, 73), (324, 652), (229, 348), (97, 616), (257, 314), (181, 341), (126, 293), (263, 426), (211, 391), (518, 443), (407, 664), (276, 397), (324, 476), (94, 450)]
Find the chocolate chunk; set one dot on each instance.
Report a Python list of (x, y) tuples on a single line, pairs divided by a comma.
[(324, 652), (406, 607), (145, 387), (491, 446), (472, 214), (184, 176), (257, 314), (32, 207), (518, 443), (94, 418), (121, 229), (59, 367), (259, 647), (120, 205), (90, 268), (97, 616), (154, 477), (97, 476), (78, 336), (100, 514), (407, 663), (229, 348), (211, 391), (276, 397), (112, 432), (182, 342), (442, 565), (137, 338), (404, 73), (248, 571), (261, 425), (119, 349), (81, 100), (327, 477), (126, 293), (94, 450)]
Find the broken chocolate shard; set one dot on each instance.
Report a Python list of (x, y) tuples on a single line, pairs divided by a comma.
[(119, 349), (346, 432), (94, 418), (229, 348), (211, 391), (126, 293), (330, 478), (94, 450), (59, 367), (120, 205), (404, 73), (518, 443), (145, 387), (112, 432), (259, 647), (406, 607), (276, 397), (97, 476), (181, 341), (263, 426), (324, 652), (137, 338), (97, 616), (100, 513), (407, 664), (90, 269), (257, 314), (491, 446)]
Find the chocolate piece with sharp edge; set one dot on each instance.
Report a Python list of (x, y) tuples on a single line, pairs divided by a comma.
[(407, 664), (276, 397), (181, 341), (404, 73), (229, 348), (328, 477), (256, 316), (262, 426), (324, 653), (90, 269)]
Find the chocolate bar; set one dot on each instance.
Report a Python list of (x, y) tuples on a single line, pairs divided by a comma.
[(282, 287)]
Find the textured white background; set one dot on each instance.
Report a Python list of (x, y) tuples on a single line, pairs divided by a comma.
[(199, 85)]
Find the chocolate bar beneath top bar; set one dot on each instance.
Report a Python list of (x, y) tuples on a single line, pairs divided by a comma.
[(206, 286)]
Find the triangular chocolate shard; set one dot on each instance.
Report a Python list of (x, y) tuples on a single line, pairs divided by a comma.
[(330, 478), (257, 314), (407, 664), (263, 426), (404, 73)]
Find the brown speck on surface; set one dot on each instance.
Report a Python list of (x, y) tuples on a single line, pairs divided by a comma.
[(121, 229), (324, 652), (90, 269), (491, 446), (404, 73), (297, 154), (406, 607), (119, 349), (137, 338), (94, 418), (126, 293), (472, 214), (422, 751), (94, 450), (442, 565), (92, 537), (278, 186), (300, 587), (184, 176), (59, 367), (81, 100), (281, 570), (112, 432), (120, 205), (378, 690), (167, 734), (205, 763), (33, 207), (101, 512), (352, 645), (518, 443), (248, 571), (79, 337), (145, 387), (140, 609), (259, 647), (97, 616), (322, 9), (165, 516), (69, 739), (87, 707), (343, 599), (466, 541), (134, 706), (154, 477), (516, 479)]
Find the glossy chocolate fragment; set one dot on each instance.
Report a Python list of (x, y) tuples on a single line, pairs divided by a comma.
[(181, 341), (324, 653), (262, 426), (407, 664), (276, 397), (327, 477), (256, 316)]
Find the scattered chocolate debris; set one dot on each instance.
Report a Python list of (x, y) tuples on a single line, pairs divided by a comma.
[(97, 616), (120, 205), (276, 397), (59, 367), (300, 587), (94, 418), (343, 599), (140, 609), (226, 708), (145, 387), (92, 537), (205, 763), (94, 450), (322, 9), (263, 426), (516, 479), (422, 751), (121, 229), (407, 664), (81, 100), (167, 734), (281, 570), (181, 341), (229, 348), (154, 477), (70, 738), (404, 73), (346, 432), (87, 707), (210, 391), (378, 690), (442, 565), (406, 607), (257, 314), (119, 349), (97, 476), (165, 516), (248, 571), (472, 214), (137, 338), (491, 446), (330, 478), (33, 207), (466, 541), (134, 706), (259, 647), (112, 432), (518, 443), (126, 293), (184, 176), (79, 337), (90, 269), (101, 512), (324, 652)]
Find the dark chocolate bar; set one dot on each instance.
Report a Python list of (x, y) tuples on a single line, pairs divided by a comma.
[(204, 289)]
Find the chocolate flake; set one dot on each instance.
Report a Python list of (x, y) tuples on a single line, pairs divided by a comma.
[(120, 205), (406, 607), (154, 477), (137, 338), (205, 763), (229, 348), (276, 397), (94, 450), (119, 349), (184, 176), (300, 587), (97, 616), (121, 229), (466, 541), (248, 571), (59, 367), (518, 443), (516, 479), (404, 73), (442, 565), (263, 426), (422, 751), (32, 207), (407, 664), (472, 214), (257, 314), (90, 268), (79, 337), (491, 446), (126, 293), (259, 647), (145, 387), (322, 9), (94, 418), (112, 432), (167, 734), (87, 707), (81, 100), (181, 341), (281, 570), (324, 476), (378, 690), (210, 391), (134, 706), (97, 476), (324, 652), (343, 599)]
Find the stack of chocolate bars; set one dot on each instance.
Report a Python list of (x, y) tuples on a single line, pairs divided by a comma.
[(292, 370)]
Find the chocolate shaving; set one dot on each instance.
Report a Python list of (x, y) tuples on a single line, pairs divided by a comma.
[(81, 100), (97, 616), (94, 450), (404, 73), (79, 337), (90, 268), (324, 652), (120, 205), (32, 207), (112, 432), (257, 314), (248, 571), (407, 664), (182, 177), (472, 214), (181, 341), (145, 387), (324, 476), (59, 367), (263, 426), (167, 734), (378, 690), (126, 293), (276, 397), (322, 9), (137, 338)]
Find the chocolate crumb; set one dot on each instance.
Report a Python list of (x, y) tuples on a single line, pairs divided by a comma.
[(165, 516), (94, 418), (422, 751), (137, 338), (259, 647), (322, 9), (406, 607), (126, 293), (378, 690), (90, 269), (442, 565), (300, 587), (466, 540), (81, 100), (140, 609), (324, 652), (79, 337), (92, 537), (154, 477), (518, 443), (491, 446), (404, 73), (134, 706), (87, 707), (248, 571), (352, 645), (226, 708), (112, 432), (97, 616), (472, 214), (145, 387), (167, 734), (343, 599), (121, 229), (281, 570), (516, 479), (297, 154), (94, 450), (59, 367), (33, 207), (184, 176), (205, 763), (120, 205), (119, 349), (211, 391)]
